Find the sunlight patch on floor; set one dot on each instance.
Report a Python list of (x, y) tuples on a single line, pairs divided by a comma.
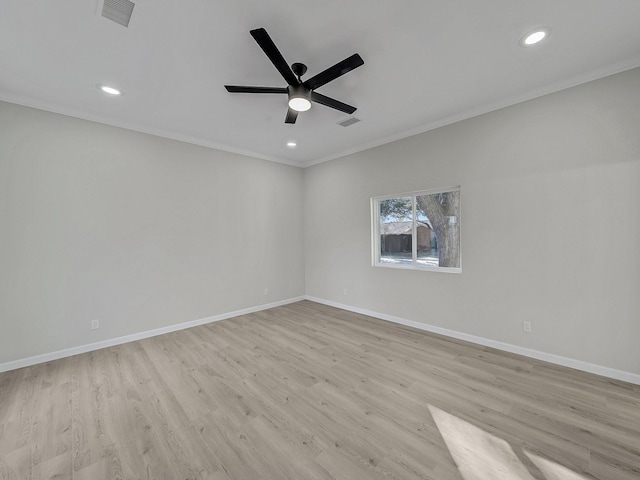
[(553, 470), (480, 455)]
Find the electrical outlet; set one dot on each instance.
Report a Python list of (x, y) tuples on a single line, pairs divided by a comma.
[(526, 327), (95, 324), (344, 292), (266, 292)]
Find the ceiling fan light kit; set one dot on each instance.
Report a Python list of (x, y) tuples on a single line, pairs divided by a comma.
[(300, 93), (299, 98)]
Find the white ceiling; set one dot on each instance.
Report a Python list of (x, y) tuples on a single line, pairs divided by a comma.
[(427, 63)]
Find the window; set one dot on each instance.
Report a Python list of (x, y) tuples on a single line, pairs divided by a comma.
[(418, 230)]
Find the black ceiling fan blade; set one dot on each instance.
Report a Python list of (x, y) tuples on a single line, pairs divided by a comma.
[(247, 89), (292, 115), (332, 102), (264, 40), (331, 73)]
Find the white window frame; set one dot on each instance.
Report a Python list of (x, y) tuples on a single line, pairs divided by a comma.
[(375, 231)]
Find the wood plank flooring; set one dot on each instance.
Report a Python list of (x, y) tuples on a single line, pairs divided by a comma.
[(307, 391)]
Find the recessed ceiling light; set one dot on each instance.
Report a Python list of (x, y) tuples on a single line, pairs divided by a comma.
[(535, 36), (291, 144), (109, 90)]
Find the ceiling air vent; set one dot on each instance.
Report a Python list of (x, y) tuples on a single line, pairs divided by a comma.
[(349, 121), (118, 10)]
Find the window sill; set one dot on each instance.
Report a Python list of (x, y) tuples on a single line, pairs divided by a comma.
[(419, 268)]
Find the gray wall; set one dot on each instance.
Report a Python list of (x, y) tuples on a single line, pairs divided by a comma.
[(142, 232), (137, 231), (550, 225)]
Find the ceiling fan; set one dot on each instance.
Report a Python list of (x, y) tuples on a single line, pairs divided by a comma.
[(300, 93)]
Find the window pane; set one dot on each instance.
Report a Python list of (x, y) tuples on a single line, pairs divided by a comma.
[(438, 227), (396, 230)]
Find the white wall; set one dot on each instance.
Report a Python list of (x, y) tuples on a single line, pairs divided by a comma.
[(137, 231), (550, 225)]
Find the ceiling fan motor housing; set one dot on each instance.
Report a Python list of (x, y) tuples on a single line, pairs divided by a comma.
[(299, 91)]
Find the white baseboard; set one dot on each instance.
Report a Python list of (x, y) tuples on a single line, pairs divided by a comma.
[(68, 352), (527, 352)]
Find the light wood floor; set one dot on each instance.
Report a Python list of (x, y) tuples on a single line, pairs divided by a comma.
[(308, 391)]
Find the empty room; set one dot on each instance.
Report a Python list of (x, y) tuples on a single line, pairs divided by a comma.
[(337, 240)]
